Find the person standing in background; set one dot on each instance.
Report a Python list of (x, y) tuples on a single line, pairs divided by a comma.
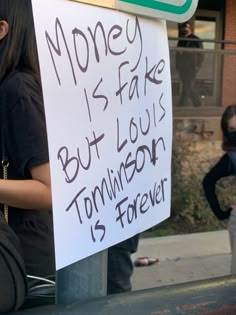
[(226, 166), (188, 64)]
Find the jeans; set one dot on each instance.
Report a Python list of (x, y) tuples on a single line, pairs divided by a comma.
[(120, 270), (232, 238)]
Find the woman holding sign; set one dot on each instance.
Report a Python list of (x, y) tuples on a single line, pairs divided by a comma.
[(26, 242)]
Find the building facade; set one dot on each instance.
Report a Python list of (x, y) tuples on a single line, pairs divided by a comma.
[(214, 22)]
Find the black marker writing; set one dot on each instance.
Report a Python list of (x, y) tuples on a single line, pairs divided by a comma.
[(161, 106), (87, 203), (94, 43), (131, 41), (98, 229), (57, 49), (135, 128), (127, 213), (71, 164), (152, 75), (130, 84), (76, 33)]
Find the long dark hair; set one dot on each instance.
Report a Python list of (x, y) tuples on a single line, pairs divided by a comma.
[(229, 112), (18, 49)]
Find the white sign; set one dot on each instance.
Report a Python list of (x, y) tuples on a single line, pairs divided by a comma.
[(107, 95)]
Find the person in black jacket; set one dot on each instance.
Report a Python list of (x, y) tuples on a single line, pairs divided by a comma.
[(226, 166), (188, 64)]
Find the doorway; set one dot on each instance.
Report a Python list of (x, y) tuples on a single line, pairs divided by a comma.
[(208, 26)]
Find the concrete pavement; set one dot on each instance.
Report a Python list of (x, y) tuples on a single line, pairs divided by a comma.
[(183, 258)]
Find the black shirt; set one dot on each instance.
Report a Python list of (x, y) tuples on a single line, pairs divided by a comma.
[(187, 62), (23, 129), (194, 42), (223, 168)]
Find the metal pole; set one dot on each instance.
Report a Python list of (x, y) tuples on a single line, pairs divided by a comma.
[(83, 280)]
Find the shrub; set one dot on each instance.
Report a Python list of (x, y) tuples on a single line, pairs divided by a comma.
[(190, 162)]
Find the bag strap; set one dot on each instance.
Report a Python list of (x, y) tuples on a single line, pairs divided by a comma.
[(5, 164)]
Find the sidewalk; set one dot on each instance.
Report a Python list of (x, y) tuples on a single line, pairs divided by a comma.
[(183, 258)]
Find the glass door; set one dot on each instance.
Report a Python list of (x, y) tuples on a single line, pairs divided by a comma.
[(208, 26)]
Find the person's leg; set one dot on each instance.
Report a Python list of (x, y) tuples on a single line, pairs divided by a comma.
[(195, 93), (120, 270), (232, 238), (7, 294), (12, 284), (186, 89)]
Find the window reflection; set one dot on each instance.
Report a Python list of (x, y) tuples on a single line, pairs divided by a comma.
[(205, 30)]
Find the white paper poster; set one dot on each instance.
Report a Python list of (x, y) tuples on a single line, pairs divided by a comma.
[(107, 96)]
